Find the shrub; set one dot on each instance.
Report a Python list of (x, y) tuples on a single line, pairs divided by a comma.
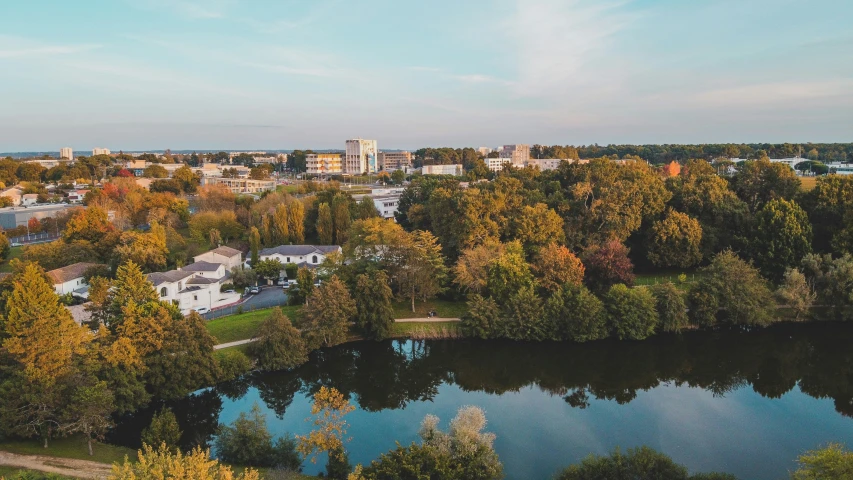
[(632, 312), (232, 364)]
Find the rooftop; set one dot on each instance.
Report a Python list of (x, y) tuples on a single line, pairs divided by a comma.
[(172, 276), (202, 267), (299, 250), (64, 274), (226, 251)]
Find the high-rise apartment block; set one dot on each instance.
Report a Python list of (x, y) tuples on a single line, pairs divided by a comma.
[(100, 151), (390, 161), (518, 154), (66, 153), (323, 164), (361, 157)]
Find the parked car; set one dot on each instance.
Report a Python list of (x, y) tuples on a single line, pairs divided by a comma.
[(202, 310), (16, 244), (228, 291), (281, 282), (254, 290)]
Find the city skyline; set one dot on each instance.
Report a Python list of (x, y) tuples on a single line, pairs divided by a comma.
[(153, 74)]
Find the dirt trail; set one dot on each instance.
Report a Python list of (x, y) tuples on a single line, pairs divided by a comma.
[(63, 466)]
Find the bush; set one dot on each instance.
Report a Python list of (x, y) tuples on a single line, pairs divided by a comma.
[(632, 312), (637, 463), (482, 318), (831, 462), (576, 314), (671, 307), (232, 364), (226, 286), (733, 289), (248, 442), (163, 430)]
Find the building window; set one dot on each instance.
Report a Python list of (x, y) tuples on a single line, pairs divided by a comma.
[(288, 259), (195, 298), (163, 292), (314, 259)]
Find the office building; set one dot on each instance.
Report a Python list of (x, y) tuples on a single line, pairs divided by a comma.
[(484, 151), (360, 157), (100, 151), (66, 153), (323, 164), (240, 185), (390, 161), (497, 164)]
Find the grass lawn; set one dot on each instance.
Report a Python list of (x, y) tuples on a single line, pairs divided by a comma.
[(444, 308), (15, 252), (244, 325), (9, 472), (289, 189), (807, 183), (241, 348), (421, 329), (72, 447), (664, 277)]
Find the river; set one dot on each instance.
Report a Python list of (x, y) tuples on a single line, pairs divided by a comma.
[(742, 402)]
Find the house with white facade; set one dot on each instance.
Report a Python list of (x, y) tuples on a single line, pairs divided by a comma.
[(230, 257), (70, 279), (195, 286), (29, 199), (310, 256)]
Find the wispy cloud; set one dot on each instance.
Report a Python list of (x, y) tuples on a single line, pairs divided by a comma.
[(208, 9), (12, 47)]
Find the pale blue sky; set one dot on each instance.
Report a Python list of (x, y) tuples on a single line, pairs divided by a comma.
[(154, 74)]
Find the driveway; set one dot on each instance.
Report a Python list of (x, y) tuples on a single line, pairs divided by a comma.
[(270, 296)]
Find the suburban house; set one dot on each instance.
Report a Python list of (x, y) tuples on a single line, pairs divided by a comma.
[(29, 199), (76, 196), (310, 256), (70, 279), (14, 194), (227, 256), (194, 286)]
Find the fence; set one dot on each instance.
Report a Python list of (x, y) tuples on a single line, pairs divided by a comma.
[(34, 238), (249, 304)]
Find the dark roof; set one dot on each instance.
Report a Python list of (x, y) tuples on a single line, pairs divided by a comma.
[(171, 276), (226, 251), (201, 281), (299, 250), (202, 267), (64, 274)]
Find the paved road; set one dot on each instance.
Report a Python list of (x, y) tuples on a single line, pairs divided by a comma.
[(233, 344), (270, 296)]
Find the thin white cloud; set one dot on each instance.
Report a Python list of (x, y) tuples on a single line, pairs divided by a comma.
[(15, 47), (203, 10)]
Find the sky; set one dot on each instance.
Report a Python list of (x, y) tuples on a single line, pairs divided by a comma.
[(283, 74)]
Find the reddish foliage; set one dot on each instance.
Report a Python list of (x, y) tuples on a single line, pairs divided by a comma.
[(124, 173), (607, 265), (672, 169)]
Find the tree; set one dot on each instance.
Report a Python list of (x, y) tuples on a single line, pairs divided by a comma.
[(225, 221), (254, 244), (523, 317), (536, 226), (328, 313), (423, 271), (243, 277), (89, 411), (300, 293), (232, 364), (471, 271), (832, 280), (215, 238), (607, 265), (675, 241), (758, 182), (295, 222), (830, 462), (482, 319), (280, 225), (733, 288), (637, 463), (398, 177), (166, 463), (279, 345), (341, 219), (186, 178), (671, 307), (782, 237), (795, 293), (633, 315), (146, 249), (325, 230), (575, 314), (365, 208), (555, 266), (269, 269), (508, 274), (155, 171), (464, 452), (375, 314), (163, 430), (329, 410), (247, 441)]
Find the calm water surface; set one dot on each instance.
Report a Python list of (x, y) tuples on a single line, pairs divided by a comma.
[(746, 403)]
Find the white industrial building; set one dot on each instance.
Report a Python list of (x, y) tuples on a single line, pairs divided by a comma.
[(66, 153), (455, 169), (361, 157), (100, 151)]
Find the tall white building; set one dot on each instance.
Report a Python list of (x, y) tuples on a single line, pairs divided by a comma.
[(484, 151), (361, 157), (518, 155), (66, 152), (100, 151)]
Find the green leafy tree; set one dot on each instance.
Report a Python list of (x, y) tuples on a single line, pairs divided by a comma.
[(247, 441), (365, 208), (254, 244), (325, 229), (675, 241), (508, 274), (163, 430), (398, 177), (482, 319), (300, 293), (328, 313), (5, 246), (795, 293), (423, 271), (671, 306), (760, 181), (269, 269), (232, 364), (375, 314), (633, 315), (782, 236), (296, 222), (636, 463), (523, 317), (576, 314), (831, 462), (279, 345), (89, 411), (832, 281), (733, 289), (341, 219)]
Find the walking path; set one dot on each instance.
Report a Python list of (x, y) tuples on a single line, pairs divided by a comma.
[(68, 467), (398, 320)]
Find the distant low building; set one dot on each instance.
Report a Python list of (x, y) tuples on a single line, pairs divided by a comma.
[(11, 217), (29, 199), (442, 170), (324, 164), (240, 185), (100, 151), (497, 164), (391, 161), (66, 153), (70, 279)]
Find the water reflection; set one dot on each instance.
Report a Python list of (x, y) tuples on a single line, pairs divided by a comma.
[(390, 375)]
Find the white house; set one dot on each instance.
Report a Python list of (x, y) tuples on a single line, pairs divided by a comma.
[(227, 256), (194, 286), (70, 279), (309, 256), (29, 199)]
